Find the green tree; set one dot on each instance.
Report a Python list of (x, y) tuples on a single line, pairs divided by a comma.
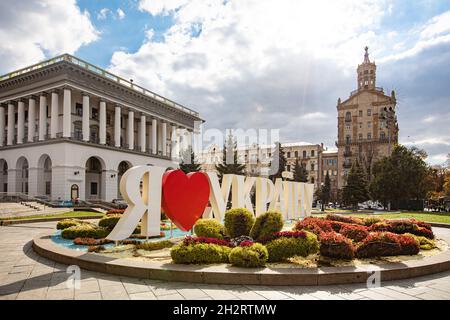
[(278, 162), (325, 192), (300, 173), (230, 163), (401, 176), (356, 188), (188, 163)]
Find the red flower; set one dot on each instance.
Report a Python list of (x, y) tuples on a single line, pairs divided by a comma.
[(194, 240)]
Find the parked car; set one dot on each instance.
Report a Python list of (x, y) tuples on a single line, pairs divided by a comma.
[(120, 203)]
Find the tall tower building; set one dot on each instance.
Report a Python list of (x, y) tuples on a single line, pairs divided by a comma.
[(367, 123)]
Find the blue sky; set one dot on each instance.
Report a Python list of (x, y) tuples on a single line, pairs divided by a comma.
[(254, 63)]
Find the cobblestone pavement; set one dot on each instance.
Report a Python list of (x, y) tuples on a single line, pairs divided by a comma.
[(26, 275)]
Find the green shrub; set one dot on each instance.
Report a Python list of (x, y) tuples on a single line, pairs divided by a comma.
[(84, 231), (424, 242), (266, 225), (335, 245), (209, 228), (252, 256), (200, 253), (371, 220), (110, 221), (67, 223), (285, 247), (156, 245), (238, 222)]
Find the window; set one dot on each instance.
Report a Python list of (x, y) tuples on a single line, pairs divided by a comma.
[(347, 126), (369, 124), (288, 155), (312, 153), (369, 112), (296, 154), (360, 125), (369, 136), (288, 168), (382, 124), (360, 113), (48, 187), (312, 180), (304, 154), (312, 166), (79, 109), (94, 114), (360, 136), (94, 187), (382, 136), (348, 139), (348, 116)]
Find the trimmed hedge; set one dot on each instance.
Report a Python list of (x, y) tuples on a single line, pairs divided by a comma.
[(155, 245), (403, 226), (238, 222), (425, 243), (201, 253), (284, 247), (209, 228), (335, 245), (115, 211), (266, 224), (371, 220), (355, 232), (315, 225), (249, 255), (387, 244), (110, 221), (345, 219), (67, 223), (84, 231)]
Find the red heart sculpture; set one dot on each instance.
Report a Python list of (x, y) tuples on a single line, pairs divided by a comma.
[(184, 197)]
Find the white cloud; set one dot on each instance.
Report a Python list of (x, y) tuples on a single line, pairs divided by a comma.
[(120, 14), (103, 14), (157, 7), (314, 116), (30, 31), (436, 26)]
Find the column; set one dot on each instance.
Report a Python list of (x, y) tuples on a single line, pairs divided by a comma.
[(2, 126), (102, 133), (173, 143), (130, 130), (54, 115), (142, 133), (20, 121), (11, 119), (85, 119), (164, 139), (42, 117), (154, 136), (67, 113), (117, 127), (31, 118)]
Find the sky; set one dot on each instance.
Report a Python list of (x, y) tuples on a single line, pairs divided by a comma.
[(255, 63)]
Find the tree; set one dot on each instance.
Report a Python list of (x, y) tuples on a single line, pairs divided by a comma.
[(279, 161), (188, 163), (325, 191), (356, 189), (400, 176), (300, 173), (230, 163)]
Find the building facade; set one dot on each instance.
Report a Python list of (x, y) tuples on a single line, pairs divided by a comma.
[(330, 166), (257, 159), (367, 123), (69, 129)]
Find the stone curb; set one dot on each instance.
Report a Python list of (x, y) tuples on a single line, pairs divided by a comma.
[(220, 274), (11, 222)]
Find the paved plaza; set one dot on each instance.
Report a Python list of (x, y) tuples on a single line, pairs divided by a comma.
[(26, 275)]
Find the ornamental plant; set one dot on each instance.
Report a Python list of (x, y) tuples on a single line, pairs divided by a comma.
[(238, 222), (67, 223), (355, 232), (266, 224), (403, 226), (188, 240), (315, 225), (110, 221), (199, 253), (283, 248), (90, 241), (84, 231), (409, 245), (387, 244), (238, 240), (249, 255), (335, 245), (115, 211), (154, 245), (425, 243), (345, 219), (371, 220), (209, 228)]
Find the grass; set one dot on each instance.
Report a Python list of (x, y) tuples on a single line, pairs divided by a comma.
[(71, 214), (438, 217)]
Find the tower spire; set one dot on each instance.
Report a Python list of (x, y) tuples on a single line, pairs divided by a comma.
[(366, 55)]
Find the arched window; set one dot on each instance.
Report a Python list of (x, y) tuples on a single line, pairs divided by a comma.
[(348, 116), (348, 139)]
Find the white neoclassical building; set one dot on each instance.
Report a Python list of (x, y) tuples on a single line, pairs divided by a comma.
[(69, 129)]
